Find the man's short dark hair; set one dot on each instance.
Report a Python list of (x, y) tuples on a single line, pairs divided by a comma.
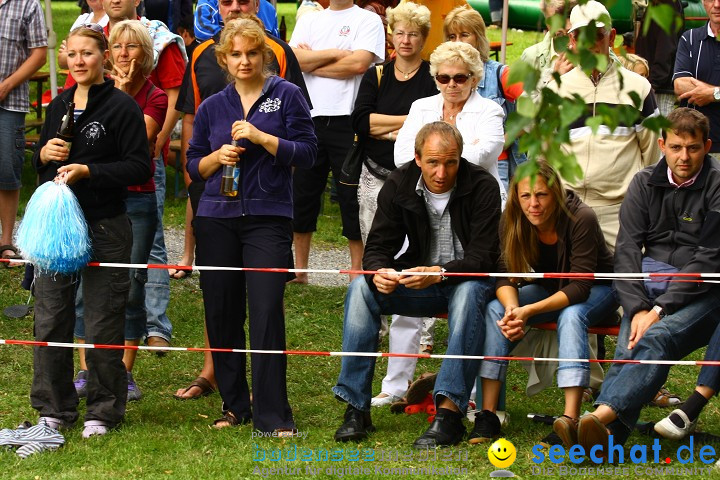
[(688, 121), (186, 23), (444, 130)]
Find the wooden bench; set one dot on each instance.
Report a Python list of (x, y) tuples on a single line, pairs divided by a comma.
[(612, 330), (31, 141), (33, 126), (495, 48), (36, 123)]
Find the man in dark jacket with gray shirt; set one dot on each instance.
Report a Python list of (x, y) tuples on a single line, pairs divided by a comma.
[(669, 222), (449, 211)]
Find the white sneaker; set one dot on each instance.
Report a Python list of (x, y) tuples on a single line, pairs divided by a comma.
[(667, 429), (94, 428), (54, 423), (382, 399)]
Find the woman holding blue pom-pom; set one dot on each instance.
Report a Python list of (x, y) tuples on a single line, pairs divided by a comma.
[(109, 151)]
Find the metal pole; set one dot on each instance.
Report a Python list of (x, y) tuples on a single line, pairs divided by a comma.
[(52, 43), (503, 44)]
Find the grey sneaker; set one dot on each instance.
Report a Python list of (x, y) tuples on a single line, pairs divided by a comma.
[(81, 383), (134, 392)]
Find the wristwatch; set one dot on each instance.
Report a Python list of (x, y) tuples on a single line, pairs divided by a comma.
[(659, 310), (716, 94), (442, 274)]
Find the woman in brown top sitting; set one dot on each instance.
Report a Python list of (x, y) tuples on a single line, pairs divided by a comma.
[(545, 229)]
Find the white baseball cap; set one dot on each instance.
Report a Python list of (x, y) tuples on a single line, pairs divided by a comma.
[(582, 15)]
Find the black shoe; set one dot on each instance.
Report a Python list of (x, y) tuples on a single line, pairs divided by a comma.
[(447, 429), (356, 425), (487, 427), (551, 439)]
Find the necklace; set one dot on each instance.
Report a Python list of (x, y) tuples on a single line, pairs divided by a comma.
[(450, 117), (406, 75)]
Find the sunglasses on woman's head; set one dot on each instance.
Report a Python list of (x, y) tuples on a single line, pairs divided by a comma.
[(92, 26), (458, 78)]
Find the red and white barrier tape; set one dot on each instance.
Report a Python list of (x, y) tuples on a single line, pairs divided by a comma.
[(668, 277), (310, 353)]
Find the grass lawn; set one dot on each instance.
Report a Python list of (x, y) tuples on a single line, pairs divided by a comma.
[(166, 438)]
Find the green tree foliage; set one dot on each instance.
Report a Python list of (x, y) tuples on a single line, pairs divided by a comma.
[(542, 118)]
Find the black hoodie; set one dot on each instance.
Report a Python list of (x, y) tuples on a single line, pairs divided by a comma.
[(110, 138)]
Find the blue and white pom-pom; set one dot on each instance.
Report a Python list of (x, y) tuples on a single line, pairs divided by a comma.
[(53, 233)]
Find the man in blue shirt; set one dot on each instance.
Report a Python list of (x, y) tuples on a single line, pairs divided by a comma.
[(697, 71), (208, 21)]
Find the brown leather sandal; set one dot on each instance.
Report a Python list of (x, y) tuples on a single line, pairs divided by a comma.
[(203, 384), (230, 420), (665, 399)]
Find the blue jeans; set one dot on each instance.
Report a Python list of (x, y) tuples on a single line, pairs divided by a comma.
[(157, 288), (464, 303), (141, 210), (496, 8), (710, 375), (506, 170), (627, 387), (572, 325)]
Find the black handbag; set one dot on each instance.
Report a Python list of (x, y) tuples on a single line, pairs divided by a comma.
[(351, 167)]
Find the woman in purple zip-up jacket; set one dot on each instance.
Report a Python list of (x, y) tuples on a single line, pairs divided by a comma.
[(269, 120)]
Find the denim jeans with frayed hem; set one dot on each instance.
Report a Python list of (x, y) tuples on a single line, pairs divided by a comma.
[(710, 375), (572, 325), (157, 288), (627, 387), (465, 304)]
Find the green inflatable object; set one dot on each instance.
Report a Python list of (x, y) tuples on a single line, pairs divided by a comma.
[(526, 14)]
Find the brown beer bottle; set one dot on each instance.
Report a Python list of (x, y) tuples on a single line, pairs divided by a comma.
[(66, 132), (282, 30), (229, 185)]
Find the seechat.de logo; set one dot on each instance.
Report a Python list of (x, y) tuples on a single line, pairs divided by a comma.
[(615, 454)]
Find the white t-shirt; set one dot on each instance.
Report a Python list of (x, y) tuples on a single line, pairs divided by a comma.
[(349, 29), (84, 18), (438, 200)]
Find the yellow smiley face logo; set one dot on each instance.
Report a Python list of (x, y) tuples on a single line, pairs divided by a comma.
[(502, 453)]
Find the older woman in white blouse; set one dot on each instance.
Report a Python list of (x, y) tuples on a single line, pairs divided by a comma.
[(457, 69)]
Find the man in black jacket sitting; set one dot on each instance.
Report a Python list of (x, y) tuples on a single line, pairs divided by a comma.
[(669, 222), (449, 211)]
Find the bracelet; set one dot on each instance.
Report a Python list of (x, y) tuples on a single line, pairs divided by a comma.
[(389, 135)]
